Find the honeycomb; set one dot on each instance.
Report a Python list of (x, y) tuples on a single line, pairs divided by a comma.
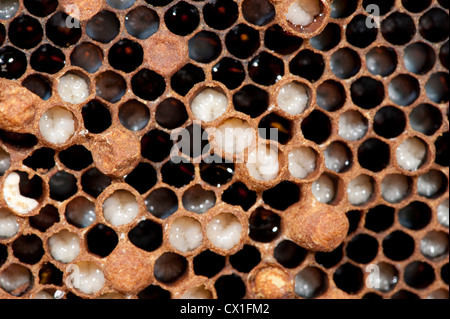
[(348, 200)]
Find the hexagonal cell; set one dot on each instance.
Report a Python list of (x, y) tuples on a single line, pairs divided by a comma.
[(349, 278), (311, 282), (302, 161), (381, 60), (308, 65), (367, 92), (60, 32), (289, 254), (379, 218), (5, 161), (432, 184), (293, 97), (103, 27), (404, 89), (385, 278), (87, 56), (395, 187), (209, 104), (156, 145), (39, 85), (57, 125), (230, 287), (353, 125), (205, 47), (425, 118), (282, 195), (281, 41), (434, 244), (338, 157), (443, 213), (46, 58), (43, 158), (142, 22), (111, 86), (419, 58), (41, 8), (62, 186), (245, 259), (358, 32), (264, 225), (328, 38), (251, 100), (182, 18), (8, 224), (345, 63), (433, 25), (171, 113), (120, 208), (437, 87), (224, 231), (360, 189), (146, 235), (198, 200), (398, 28), (316, 127), (64, 246), (362, 248), (208, 264), (169, 267), (276, 128), (182, 81), (329, 259), (101, 240), (258, 12), (262, 163), (239, 194), (80, 212), (419, 275), (25, 32), (398, 246), (47, 217), (88, 278), (389, 122), (28, 249), (330, 95), (216, 171), (266, 69), (220, 14), (242, 41), (162, 202), (16, 279), (185, 234), (374, 155)]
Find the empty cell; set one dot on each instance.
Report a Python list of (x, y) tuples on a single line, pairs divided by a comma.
[(289, 254), (185, 234), (208, 264), (251, 100), (316, 127), (281, 41), (264, 225), (230, 287), (425, 119), (198, 200), (374, 155), (80, 212), (389, 122), (111, 86), (134, 115), (352, 125), (308, 65), (301, 161), (330, 95), (437, 87), (224, 231), (25, 32), (368, 93), (342, 8), (62, 186), (362, 248), (220, 14), (411, 154), (324, 189), (57, 125), (276, 128), (216, 171), (293, 98), (415, 215), (120, 208), (311, 282), (338, 157), (360, 190), (262, 163), (239, 194), (39, 85), (103, 27), (266, 69), (404, 89), (303, 12), (162, 202), (146, 235), (13, 62), (359, 33), (328, 38), (182, 18), (282, 195), (379, 218), (142, 22), (41, 8), (5, 161), (47, 217), (434, 25), (381, 60), (126, 55), (227, 71), (395, 187), (398, 28), (258, 12), (28, 249), (209, 104), (398, 246), (205, 47), (101, 240), (60, 32), (169, 267), (242, 41), (177, 172), (94, 182), (171, 113), (434, 244), (419, 58), (46, 58), (64, 246), (419, 275), (345, 63)]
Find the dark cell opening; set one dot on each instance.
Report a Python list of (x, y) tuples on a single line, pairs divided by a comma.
[(39, 85), (251, 100), (208, 264), (343, 8), (384, 6), (442, 150), (282, 196), (154, 292), (359, 33), (362, 248), (329, 259), (289, 254), (46, 58), (205, 47), (220, 14), (245, 259), (62, 186), (398, 246), (415, 6), (182, 18), (101, 240), (282, 126), (445, 273), (146, 235), (3, 254), (134, 115), (96, 117), (328, 38), (126, 55), (43, 158), (258, 12), (264, 225), (404, 89), (419, 275), (405, 295), (169, 267), (381, 61), (177, 172), (94, 182), (415, 215), (171, 113), (142, 178), (345, 63), (354, 218), (28, 249), (156, 145), (437, 87), (311, 282), (316, 127), (419, 58), (103, 27), (80, 212), (41, 8), (280, 41), (60, 32), (48, 215), (389, 122), (374, 155), (349, 278), (76, 157), (230, 287), (142, 22), (239, 194), (193, 141), (443, 54), (13, 63), (434, 25), (367, 93), (216, 171), (18, 140), (266, 69), (161, 203), (185, 78), (25, 32), (379, 218), (110, 86), (242, 41), (229, 72), (330, 95), (50, 275), (398, 28), (307, 64), (426, 119)]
